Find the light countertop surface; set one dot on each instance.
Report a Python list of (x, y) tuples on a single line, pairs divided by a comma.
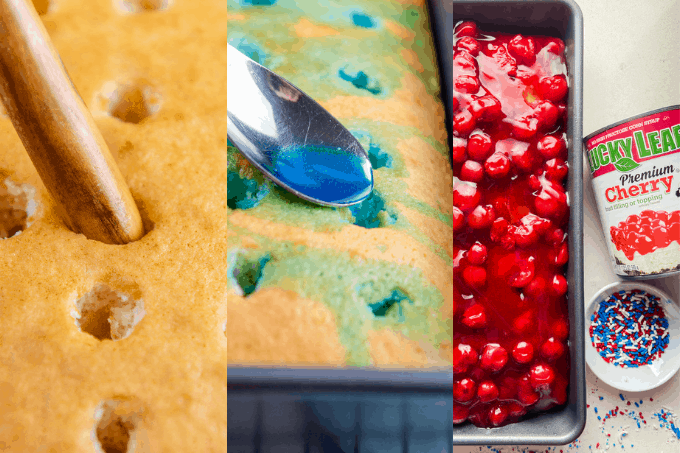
[(631, 66)]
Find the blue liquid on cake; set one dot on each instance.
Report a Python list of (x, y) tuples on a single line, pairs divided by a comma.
[(360, 80), (326, 174), (363, 20)]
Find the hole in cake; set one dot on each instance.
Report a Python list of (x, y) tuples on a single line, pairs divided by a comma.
[(245, 270), (143, 208), (372, 212), (257, 2), (244, 193), (362, 20), (117, 426), (140, 6), (249, 49), (378, 157), (361, 80), (17, 206), (132, 102), (383, 307), (107, 314), (42, 6), (246, 186)]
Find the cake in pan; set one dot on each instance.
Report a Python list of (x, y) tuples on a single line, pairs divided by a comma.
[(368, 285), (108, 348)]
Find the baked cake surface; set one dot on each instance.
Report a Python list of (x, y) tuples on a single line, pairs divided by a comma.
[(103, 347)]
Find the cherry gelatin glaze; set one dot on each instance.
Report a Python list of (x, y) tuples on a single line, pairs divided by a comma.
[(511, 214)]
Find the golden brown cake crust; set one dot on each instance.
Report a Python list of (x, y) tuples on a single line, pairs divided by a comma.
[(173, 365)]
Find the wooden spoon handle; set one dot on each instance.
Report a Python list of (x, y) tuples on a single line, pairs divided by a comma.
[(59, 133)]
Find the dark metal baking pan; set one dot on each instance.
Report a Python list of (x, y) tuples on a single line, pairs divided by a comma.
[(338, 410), (441, 18), (348, 410), (562, 19)]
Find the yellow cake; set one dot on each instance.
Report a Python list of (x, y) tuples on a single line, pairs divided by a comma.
[(109, 348)]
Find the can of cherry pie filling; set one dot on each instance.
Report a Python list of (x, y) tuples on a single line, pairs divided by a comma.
[(635, 165)]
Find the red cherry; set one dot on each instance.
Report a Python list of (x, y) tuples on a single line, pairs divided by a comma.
[(498, 415), (559, 393), (474, 317), (458, 219), (499, 228), (553, 88), (525, 128), (479, 146), (526, 236), (556, 46), (522, 158), (455, 104), (472, 171), (551, 202), (541, 376), (539, 224), (516, 410), (524, 322), (552, 349), (494, 357), (534, 183), (523, 272), (464, 390), (463, 60), (508, 242), (460, 413), (507, 388), (463, 123), (475, 276), (477, 253), (464, 356), (523, 49), (481, 217), (486, 108), (465, 197), (633, 219), (536, 287), (556, 170), (547, 114), (459, 149), (560, 256), (487, 391), (528, 397), (523, 352), (559, 285), (551, 147), (466, 84), (467, 28), (560, 329), (468, 43), (497, 165)]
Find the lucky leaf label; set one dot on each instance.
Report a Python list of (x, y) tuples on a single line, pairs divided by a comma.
[(626, 164)]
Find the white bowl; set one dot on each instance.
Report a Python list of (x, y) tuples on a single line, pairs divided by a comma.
[(645, 377)]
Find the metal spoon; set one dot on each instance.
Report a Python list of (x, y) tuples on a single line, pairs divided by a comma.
[(292, 139)]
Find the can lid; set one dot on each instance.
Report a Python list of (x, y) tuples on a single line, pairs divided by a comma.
[(642, 115)]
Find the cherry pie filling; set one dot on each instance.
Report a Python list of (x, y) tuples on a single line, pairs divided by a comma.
[(646, 232), (511, 214)]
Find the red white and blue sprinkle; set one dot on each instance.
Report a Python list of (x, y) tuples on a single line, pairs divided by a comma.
[(629, 329)]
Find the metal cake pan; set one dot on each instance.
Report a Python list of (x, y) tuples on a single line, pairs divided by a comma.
[(562, 19), (348, 410)]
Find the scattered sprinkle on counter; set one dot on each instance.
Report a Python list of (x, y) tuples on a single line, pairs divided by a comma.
[(629, 329)]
